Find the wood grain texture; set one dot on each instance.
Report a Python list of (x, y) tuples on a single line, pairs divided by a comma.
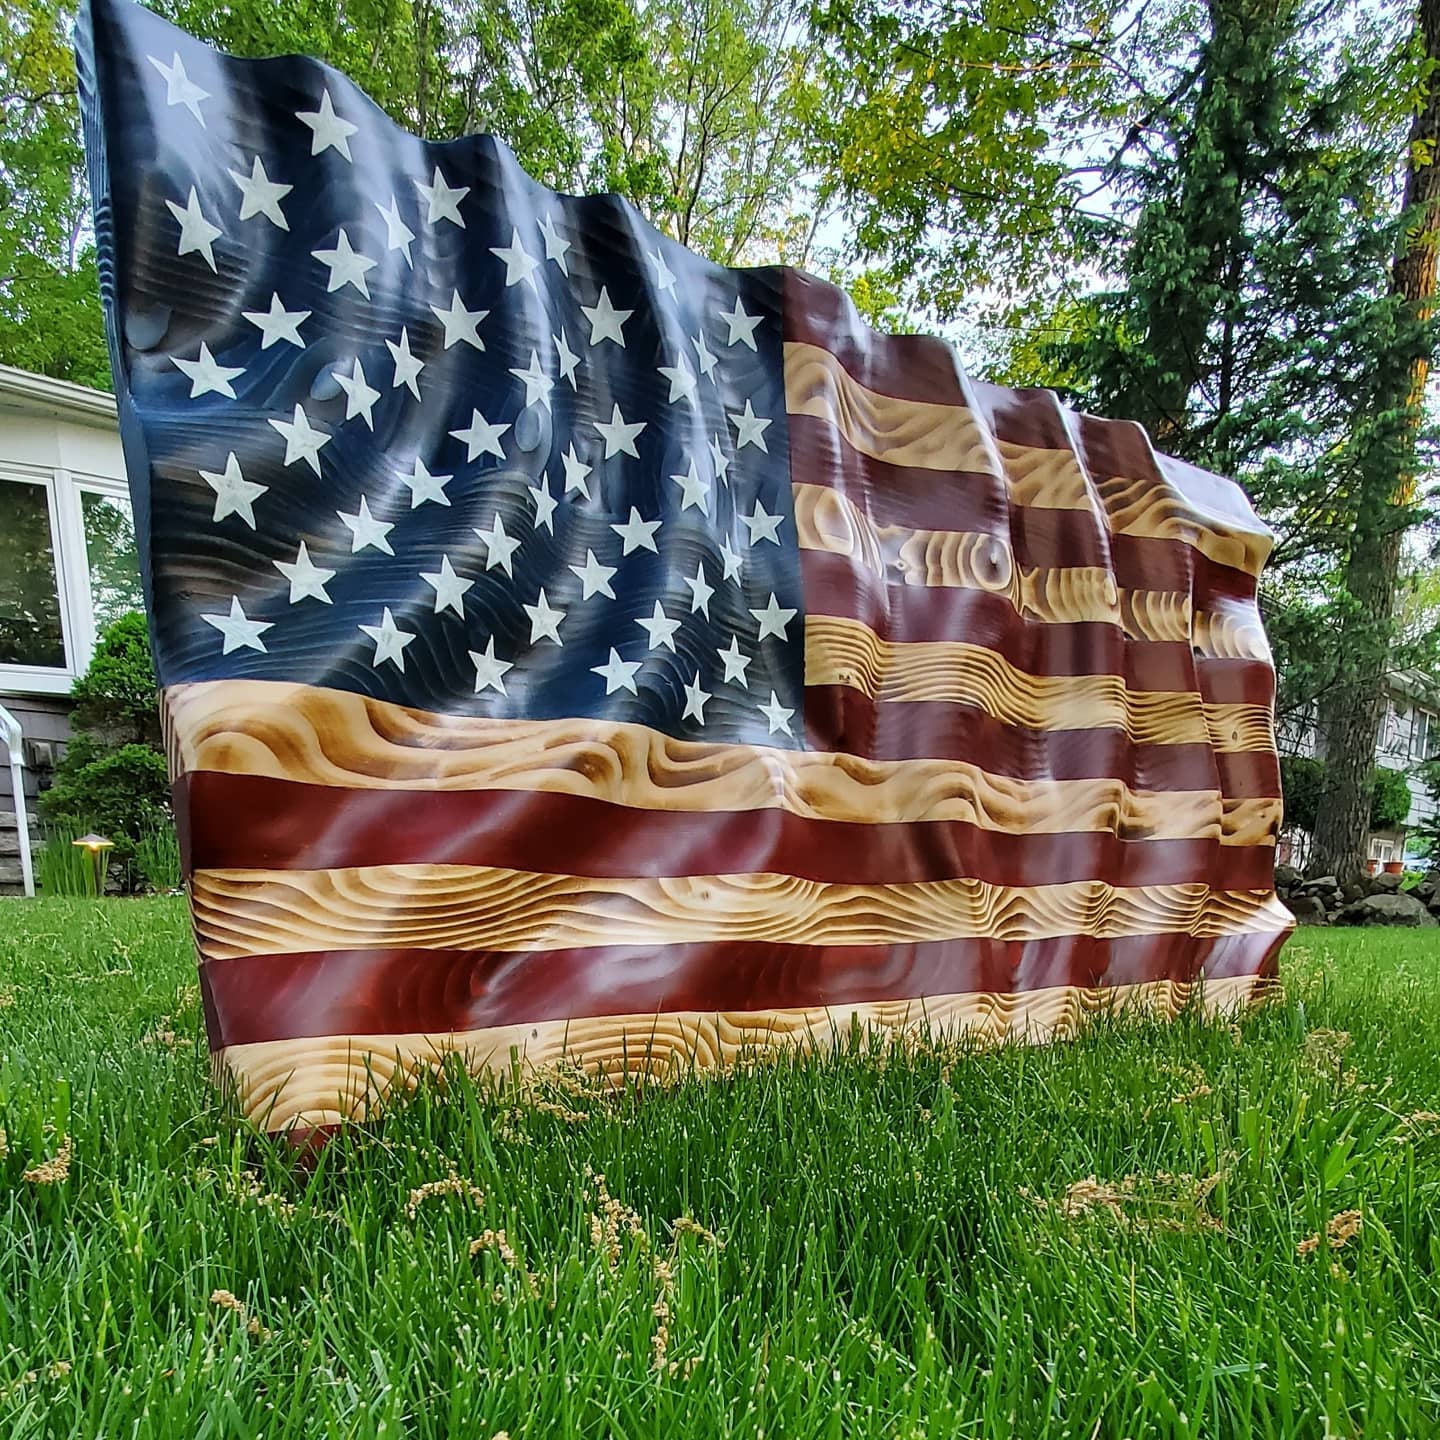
[(841, 651), (257, 912), (827, 521), (334, 737), (342, 1078), (927, 436)]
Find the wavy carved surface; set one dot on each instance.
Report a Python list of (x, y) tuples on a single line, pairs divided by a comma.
[(840, 651), (928, 436), (334, 737), (255, 912), (339, 1078)]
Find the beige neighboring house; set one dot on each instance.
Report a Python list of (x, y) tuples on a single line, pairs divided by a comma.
[(68, 567)]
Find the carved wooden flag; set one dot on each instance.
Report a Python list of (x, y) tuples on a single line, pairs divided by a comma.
[(572, 647)]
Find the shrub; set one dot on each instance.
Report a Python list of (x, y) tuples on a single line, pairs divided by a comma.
[(1389, 798), (1302, 782), (113, 777)]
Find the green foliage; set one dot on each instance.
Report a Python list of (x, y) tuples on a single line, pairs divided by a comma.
[(113, 776), (1302, 778), (1389, 798), (898, 1251), (157, 858), (61, 868)]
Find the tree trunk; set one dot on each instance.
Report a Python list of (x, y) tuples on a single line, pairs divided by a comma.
[(1352, 714)]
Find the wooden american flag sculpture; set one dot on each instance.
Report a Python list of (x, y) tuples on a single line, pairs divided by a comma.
[(571, 647)]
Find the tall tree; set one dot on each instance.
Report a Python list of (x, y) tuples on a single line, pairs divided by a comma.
[(1387, 494)]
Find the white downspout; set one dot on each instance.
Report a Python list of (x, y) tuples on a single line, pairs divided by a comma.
[(11, 727)]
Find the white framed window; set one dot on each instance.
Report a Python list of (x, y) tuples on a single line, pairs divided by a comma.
[(68, 568), (1423, 735)]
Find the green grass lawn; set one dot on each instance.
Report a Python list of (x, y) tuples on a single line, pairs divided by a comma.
[(869, 1246)]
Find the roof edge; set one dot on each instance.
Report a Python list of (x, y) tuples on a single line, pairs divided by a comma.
[(42, 395)]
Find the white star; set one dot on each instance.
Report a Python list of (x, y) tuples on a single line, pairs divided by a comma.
[(594, 577), (773, 618), (637, 534), (544, 621), (390, 641), (568, 359), (693, 490), (327, 128), (707, 360), (205, 375), (398, 235), (537, 383), (735, 664), (239, 631), (555, 245), (407, 367), (519, 263), (365, 530), (360, 397), (695, 699), (575, 472), (234, 494), (664, 279), (499, 546), (346, 266), (731, 561), (302, 440), (448, 586), (443, 199), (180, 89), (700, 591), (718, 457), (490, 672), (681, 377), (481, 438), (618, 674), (277, 323), (425, 486), (762, 525), (196, 232), (750, 429), (260, 195), (307, 579), (545, 504), (660, 628), (777, 715), (619, 436), (460, 323), (742, 326), (605, 320)]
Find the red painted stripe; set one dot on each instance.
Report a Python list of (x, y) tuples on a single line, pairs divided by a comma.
[(840, 718), (255, 822), (1039, 537), (387, 992), (835, 585)]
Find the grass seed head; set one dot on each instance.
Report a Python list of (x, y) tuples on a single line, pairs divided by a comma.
[(1340, 1230), (54, 1171), (452, 1184)]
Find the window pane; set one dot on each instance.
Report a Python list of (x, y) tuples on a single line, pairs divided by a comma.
[(30, 632), (114, 563)]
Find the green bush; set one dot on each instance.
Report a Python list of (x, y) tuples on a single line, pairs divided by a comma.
[(1302, 782), (113, 778), (1389, 798)]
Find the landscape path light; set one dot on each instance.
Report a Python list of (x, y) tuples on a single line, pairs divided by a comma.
[(97, 845)]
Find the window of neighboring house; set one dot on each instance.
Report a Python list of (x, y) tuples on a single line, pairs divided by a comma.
[(1424, 734), (68, 568)]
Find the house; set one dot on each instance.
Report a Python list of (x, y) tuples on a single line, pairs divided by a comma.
[(1408, 735), (68, 567)]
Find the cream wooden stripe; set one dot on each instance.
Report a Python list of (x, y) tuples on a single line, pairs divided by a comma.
[(842, 651), (462, 907), (328, 1080), (332, 737), (827, 521), (927, 436)]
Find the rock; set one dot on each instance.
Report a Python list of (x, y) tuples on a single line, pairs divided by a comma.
[(1323, 882), (1349, 894), (1403, 910), (1427, 892), (1287, 878), (1386, 884), (1307, 909)]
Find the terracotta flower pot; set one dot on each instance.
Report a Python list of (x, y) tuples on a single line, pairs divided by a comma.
[(1394, 867), (1372, 867)]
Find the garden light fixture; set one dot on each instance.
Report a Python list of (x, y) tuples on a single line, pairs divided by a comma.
[(97, 845)]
